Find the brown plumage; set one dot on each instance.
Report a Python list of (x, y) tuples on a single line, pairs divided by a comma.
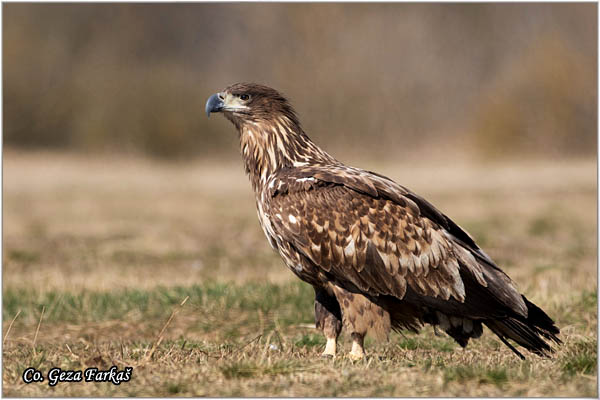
[(379, 256)]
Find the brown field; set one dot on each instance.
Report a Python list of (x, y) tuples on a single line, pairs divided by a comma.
[(107, 249)]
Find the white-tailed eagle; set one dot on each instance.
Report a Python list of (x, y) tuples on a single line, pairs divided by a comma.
[(379, 256)]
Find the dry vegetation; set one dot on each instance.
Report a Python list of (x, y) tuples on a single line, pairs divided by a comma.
[(110, 247)]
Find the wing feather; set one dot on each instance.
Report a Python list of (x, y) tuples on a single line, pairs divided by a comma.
[(380, 237), (369, 252)]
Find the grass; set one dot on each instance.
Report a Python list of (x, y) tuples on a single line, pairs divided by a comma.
[(292, 300), (110, 253), (481, 374), (581, 358)]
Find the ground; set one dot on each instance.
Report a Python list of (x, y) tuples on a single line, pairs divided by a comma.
[(100, 252)]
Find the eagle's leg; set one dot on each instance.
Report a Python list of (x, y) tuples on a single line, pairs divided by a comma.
[(361, 316), (328, 318), (358, 349)]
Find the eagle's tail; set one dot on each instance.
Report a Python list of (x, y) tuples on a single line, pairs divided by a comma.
[(531, 332)]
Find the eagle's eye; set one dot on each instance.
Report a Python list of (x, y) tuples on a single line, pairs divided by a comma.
[(244, 97)]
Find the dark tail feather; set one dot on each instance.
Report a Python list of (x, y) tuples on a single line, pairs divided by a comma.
[(530, 333), (540, 319), (510, 346)]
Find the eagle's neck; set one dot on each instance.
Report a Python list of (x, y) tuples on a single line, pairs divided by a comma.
[(269, 146)]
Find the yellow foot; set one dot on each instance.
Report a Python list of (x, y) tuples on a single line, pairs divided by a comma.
[(356, 356), (330, 347), (358, 351)]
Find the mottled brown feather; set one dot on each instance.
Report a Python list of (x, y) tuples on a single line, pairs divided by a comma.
[(379, 263)]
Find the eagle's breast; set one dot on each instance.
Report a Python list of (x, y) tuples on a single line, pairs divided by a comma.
[(264, 218), (272, 216)]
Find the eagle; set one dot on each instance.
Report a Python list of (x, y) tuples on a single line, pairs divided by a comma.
[(379, 256)]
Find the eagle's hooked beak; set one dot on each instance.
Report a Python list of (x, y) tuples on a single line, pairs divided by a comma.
[(214, 103)]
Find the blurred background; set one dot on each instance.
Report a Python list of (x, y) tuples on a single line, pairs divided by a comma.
[(396, 81)]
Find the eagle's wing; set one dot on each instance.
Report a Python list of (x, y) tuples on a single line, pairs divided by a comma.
[(378, 236)]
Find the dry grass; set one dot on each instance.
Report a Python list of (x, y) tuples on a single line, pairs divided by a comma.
[(109, 248)]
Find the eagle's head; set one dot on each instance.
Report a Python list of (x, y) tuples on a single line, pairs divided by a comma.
[(250, 102)]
